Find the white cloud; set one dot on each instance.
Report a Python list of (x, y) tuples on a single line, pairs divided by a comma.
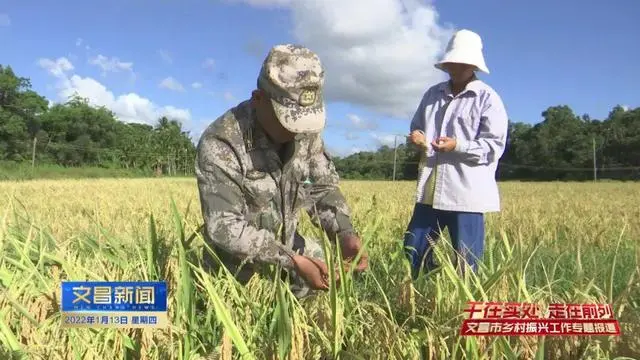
[(56, 67), (343, 151), (386, 139), (112, 64), (357, 122), (196, 85), (377, 53), (166, 57), (269, 3), (208, 63), (625, 107), (129, 107), (80, 41), (5, 20), (351, 136), (229, 96), (171, 84)]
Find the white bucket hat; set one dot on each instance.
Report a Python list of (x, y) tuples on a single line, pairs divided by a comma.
[(465, 47)]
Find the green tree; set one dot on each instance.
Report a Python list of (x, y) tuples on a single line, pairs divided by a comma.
[(20, 110), (75, 133)]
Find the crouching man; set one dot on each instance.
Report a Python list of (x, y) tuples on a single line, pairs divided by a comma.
[(262, 162)]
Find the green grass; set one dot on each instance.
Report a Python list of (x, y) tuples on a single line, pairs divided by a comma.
[(24, 171)]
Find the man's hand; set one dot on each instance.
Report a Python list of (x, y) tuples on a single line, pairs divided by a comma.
[(417, 137), (314, 271), (444, 144), (350, 246)]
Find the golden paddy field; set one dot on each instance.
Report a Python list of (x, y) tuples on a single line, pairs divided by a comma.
[(552, 242)]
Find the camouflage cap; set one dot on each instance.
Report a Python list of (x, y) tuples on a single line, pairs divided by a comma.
[(293, 77)]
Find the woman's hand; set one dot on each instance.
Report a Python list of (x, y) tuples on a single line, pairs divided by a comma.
[(417, 137), (444, 144)]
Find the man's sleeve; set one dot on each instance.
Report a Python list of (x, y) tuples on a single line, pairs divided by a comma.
[(219, 178), (418, 120), (328, 208), (490, 142)]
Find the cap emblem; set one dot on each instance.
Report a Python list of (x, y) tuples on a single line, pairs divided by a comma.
[(307, 98)]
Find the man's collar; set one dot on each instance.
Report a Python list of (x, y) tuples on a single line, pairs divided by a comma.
[(473, 86), (260, 138)]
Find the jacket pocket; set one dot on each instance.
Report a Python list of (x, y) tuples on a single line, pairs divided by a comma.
[(301, 190), (261, 190)]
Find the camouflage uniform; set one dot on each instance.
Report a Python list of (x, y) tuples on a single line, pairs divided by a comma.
[(250, 197)]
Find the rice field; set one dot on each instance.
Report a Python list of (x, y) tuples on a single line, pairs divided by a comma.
[(552, 242)]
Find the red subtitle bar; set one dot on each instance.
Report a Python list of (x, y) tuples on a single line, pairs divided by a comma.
[(516, 310), (539, 327)]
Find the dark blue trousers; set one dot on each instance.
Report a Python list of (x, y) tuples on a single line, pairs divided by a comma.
[(466, 231)]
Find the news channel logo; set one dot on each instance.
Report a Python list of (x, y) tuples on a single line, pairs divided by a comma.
[(114, 304)]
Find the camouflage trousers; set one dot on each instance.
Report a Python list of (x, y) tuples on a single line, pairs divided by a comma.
[(244, 272)]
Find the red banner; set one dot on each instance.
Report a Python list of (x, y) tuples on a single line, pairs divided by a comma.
[(518, 319)]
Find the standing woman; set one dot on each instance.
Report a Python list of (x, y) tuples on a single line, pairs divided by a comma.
[(461, 125)]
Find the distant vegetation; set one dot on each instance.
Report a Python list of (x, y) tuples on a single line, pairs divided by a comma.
[(41, 141), (77, 135), (561, 147)]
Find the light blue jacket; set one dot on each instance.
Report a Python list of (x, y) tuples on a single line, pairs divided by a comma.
[(477, 119)]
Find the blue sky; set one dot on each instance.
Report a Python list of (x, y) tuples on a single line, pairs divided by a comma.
[(194, 59)]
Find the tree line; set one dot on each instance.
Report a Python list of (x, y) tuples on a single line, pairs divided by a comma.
[(75, 134), (564, 146)]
